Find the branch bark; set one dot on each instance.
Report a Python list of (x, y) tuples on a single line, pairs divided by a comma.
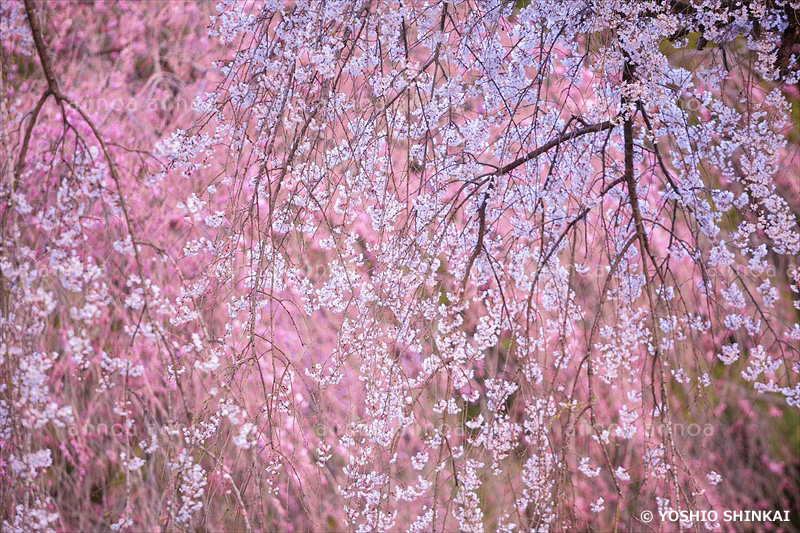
[(27, 139), (592, 128), (41, 50), (564, 137)]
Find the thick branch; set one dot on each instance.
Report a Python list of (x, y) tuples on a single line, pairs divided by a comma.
[(564, 137), (627, 132), (44, 57), (27, 139), (592, 128), (479, 245)]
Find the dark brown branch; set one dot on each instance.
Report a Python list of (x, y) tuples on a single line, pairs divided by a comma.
[(44, 57), (630, 180), (564, 137), (479, 245), (592, 128), (27, 139)]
